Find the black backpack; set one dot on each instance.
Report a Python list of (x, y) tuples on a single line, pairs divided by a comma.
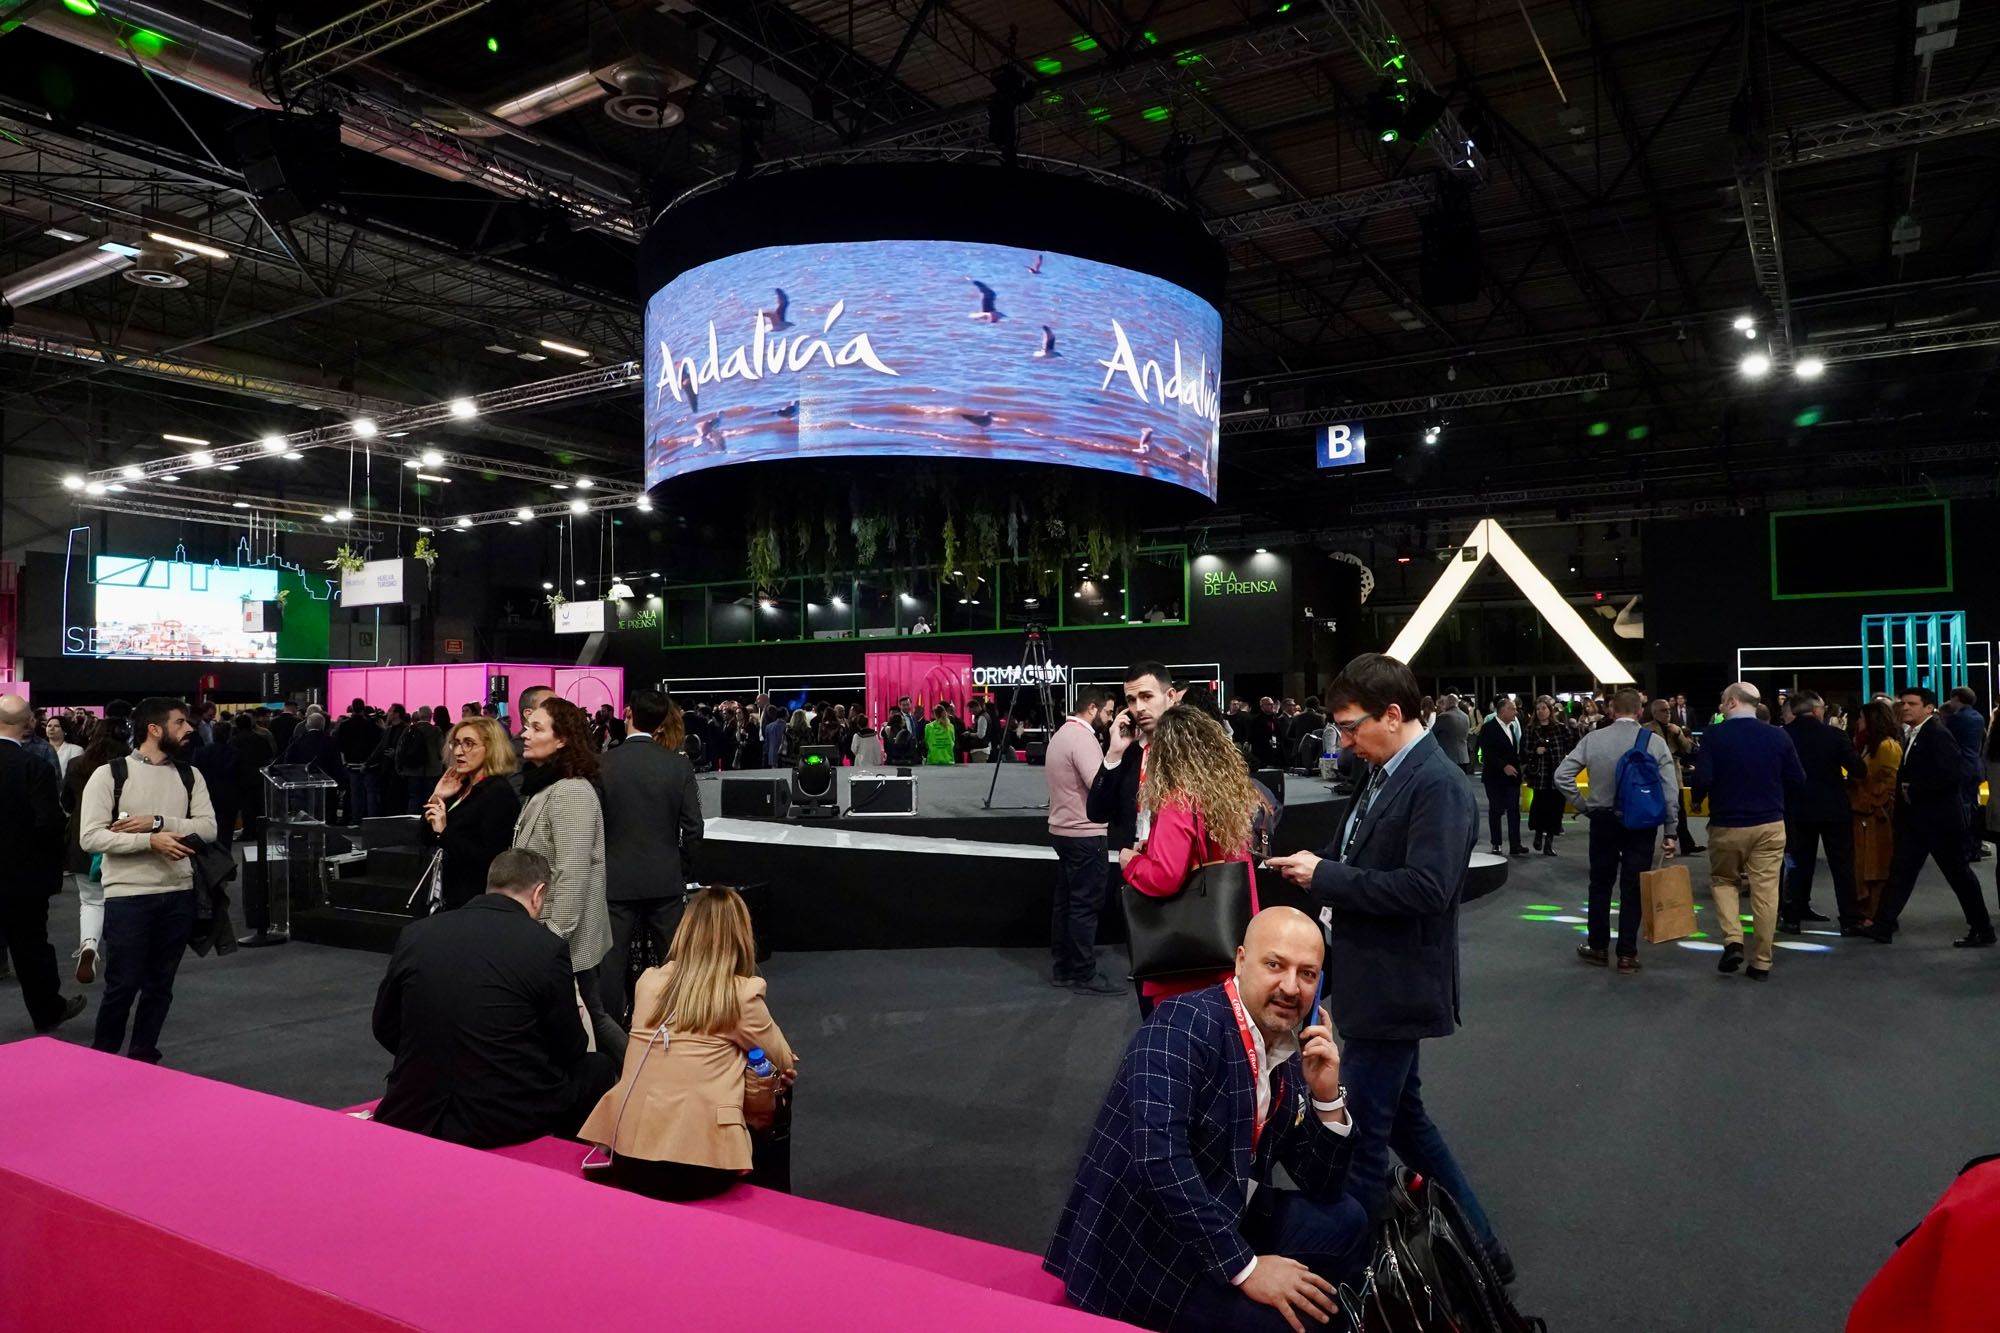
[(1429, 1274), (410, 750)]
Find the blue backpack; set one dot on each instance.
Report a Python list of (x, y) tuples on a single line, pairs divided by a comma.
[(1642, 796)]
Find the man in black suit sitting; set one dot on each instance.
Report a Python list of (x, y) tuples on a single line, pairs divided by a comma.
[(1388, 888), (1816, 812), (480, 1009), (1500, 774)]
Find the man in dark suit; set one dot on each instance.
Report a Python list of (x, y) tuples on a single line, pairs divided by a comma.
[(1114, 793), (1930, 823), (1500, 774), (31, 821), (1389, 887), (479, 1008), (1968, 727), (1816, 811), (1452, 729), (1174, 1222), (652, 832)]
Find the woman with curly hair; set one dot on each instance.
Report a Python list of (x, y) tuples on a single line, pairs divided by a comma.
[(1198, 793), (563, 819)]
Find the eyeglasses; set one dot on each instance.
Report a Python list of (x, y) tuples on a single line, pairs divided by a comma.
[(467, 743), (1353, 725)]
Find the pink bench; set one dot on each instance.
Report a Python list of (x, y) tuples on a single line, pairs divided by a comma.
[(222, 1208), (991, 1266)]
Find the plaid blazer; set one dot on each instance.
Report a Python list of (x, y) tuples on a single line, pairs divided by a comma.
[(1159, 1195)]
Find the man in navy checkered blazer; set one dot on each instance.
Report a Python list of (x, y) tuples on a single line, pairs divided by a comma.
[(1173, 1222)]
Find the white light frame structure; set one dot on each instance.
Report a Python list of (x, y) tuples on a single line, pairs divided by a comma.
[(1490, 539)]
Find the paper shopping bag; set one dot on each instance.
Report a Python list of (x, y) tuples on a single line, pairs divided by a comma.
[(1666, 899)]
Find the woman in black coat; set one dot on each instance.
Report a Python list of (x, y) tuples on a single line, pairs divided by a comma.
[(471, 811)]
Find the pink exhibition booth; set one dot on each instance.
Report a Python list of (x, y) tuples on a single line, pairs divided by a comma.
[(462, 683), (928, 678)]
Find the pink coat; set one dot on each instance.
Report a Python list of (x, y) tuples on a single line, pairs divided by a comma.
[(1162, 866)]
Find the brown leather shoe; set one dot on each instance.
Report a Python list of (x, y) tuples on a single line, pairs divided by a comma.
[(1595, 957), (1627, 964)]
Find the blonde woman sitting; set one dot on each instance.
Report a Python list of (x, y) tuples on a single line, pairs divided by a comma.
[(674, 1124)]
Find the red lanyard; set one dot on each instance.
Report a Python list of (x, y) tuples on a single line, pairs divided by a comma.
[(1250, 1054)]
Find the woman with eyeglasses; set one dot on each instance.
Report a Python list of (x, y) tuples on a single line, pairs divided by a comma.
[(472, 809)]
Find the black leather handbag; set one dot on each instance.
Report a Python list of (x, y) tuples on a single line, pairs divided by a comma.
[(1195, 930)]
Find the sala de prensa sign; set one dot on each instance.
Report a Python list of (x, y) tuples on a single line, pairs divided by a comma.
[(1223, 583)]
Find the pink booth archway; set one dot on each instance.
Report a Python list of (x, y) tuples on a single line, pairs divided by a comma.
[(462, 683)]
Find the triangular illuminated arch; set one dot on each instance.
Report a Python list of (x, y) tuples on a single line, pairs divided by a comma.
[(1490, 539)]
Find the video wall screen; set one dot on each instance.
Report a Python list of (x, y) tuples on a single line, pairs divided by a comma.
[(1869, 551), (944, 349), (129, 606)]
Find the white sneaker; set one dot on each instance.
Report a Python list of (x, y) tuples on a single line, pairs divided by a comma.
[(86, 963)]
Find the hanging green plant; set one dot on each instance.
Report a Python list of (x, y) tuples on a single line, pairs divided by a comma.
[(950, 559), (829, 556), (346, 560), (284, 596), (869, 530), (764, 557), (556, 602), (425, 552)]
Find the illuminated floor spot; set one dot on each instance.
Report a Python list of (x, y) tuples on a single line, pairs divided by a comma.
[(1802, 947), (1581, 930), (1544, 907), (1538, 916), (1701, 946), (1699, 935), (1571, 919)]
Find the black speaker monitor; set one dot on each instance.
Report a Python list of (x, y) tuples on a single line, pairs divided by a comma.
[(755, 798), (290, 162)]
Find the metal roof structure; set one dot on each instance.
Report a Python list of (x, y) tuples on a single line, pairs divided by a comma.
[(1640, 176)]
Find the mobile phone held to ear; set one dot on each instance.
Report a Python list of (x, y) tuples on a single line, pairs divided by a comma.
[(1319, 993)]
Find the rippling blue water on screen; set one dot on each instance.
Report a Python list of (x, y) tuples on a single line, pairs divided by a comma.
[(1019, 376)]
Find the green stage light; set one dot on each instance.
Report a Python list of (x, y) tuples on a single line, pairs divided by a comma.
[(1536, 916), (1083, 41), (1048, 65), (1810, 417), (1543, 907), (1598, 429), (1099, 113), (1155, 113), (1637, 432), (146, 42), (493, 45), (1390, 135), (83, 7), (1151, 38)]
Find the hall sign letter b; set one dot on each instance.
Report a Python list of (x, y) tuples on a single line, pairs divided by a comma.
[(1343, 444)]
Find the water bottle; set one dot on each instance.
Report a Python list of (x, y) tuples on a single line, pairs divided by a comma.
[(760, 1063)]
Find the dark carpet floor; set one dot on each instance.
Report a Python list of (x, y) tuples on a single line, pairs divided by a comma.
[(1673, 1151)]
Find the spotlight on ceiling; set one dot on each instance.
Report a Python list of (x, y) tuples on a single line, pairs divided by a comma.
[(239, 504), (584, 483), (328, 518), (1434, 432), (192, 247), (131, 473), (580, 353), (619, 591), (72, 482), (363, 428), (644, 504), (413, 464), (432, 459), (201, 458), (524, 514), (184, 439), (293, 455), (1744, 324), (1755, 365), (547, 586), (275, 444), (463, 522), (344, 515), (1810, 367), (579, 507), (463, 408)]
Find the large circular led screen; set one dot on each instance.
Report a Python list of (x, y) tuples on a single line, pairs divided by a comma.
[(940, 349)]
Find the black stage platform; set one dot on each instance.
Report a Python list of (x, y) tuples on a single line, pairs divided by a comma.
[(954, 874)]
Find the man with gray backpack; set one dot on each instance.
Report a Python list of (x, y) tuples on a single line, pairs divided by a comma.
[(1634, 788)]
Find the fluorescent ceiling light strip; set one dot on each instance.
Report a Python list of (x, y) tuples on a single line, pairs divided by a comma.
[(1490, 539), (197, 247)]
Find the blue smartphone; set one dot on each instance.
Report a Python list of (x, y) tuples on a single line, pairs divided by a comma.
[(1319, 991)]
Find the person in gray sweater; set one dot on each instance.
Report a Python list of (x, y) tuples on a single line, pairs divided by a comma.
[(148, 880), (1617, 853)]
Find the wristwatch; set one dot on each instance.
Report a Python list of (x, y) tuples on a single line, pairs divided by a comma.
[(159, 822), (1339, 1103)]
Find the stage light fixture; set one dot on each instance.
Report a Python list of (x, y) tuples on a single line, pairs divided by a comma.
[(1809, 368), (432, 459), (1755, 365), (201, 458), (423, 528), (274, 444), (344, 515), (1744, 324), (581, 353), (184, 439), (433, 476), (1433, 433), (579, 507), (363, 427), (93, 488), (72, 482), (463, 522), (579, 583), (1260, 551), (463, 408), (644, 504), (413, 464), (166, 476), (115, 488), (131, 473), (547, 586), (183, 243), (620, 591), (328, 518), (293, 455), (239, 504), (227, 467), (584, 483), (524, 514)]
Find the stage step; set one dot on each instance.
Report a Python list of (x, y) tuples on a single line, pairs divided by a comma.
[(372, 932), (381, 894)]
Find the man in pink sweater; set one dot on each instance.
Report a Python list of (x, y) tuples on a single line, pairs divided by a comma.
[(1083, 860)]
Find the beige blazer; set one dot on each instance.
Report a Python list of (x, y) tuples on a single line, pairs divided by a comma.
[(686, 1102)]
